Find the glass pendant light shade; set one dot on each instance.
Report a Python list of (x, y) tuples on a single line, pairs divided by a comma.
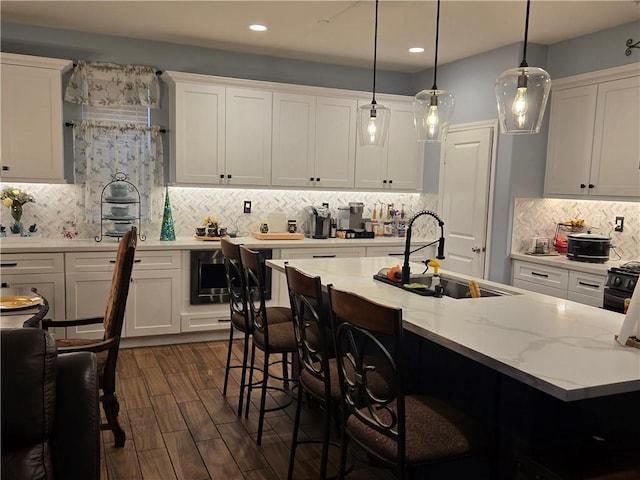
[(372, 121), (522, 95), (433, 110), (372, 124)]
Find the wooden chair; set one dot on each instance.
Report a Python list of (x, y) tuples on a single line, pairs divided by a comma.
[(239, 312), (106, 349), (272, 334), (402, 431), (318, 374)]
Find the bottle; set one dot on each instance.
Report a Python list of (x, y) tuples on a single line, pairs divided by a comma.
[(374, 221), (380, 226), (388, 223), (334, 228), (402, 223)]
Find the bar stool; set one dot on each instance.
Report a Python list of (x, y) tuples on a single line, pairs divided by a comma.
[(239, 313), (272, 334), (318, 374), (402, 431)]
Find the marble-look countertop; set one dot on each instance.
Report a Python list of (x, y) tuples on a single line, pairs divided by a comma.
[(42, 245), (561, 261), (560, 347)]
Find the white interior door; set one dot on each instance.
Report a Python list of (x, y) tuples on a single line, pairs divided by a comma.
[(465, 187)]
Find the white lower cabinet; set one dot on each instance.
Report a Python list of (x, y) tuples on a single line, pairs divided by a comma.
[(45, 272), (587, 288), (155, 293)]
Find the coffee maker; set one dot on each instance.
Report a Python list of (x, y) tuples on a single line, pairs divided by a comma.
[(317, 223), (350, 217)]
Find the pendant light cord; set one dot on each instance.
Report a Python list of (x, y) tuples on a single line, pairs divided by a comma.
[(435, 66), (375, 56), (526, 35)]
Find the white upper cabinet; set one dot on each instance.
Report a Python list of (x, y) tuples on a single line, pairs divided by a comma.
[(198, 133), (32, 137), (313, 141), (219, 135), (398, 164), (248, 137), (593, 146)]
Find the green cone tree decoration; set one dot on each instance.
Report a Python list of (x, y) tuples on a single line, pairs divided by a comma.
[(167, 232)]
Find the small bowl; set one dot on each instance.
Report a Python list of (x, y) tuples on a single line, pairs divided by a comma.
[(201, 231), (120, 210), (119, 189), (121, 227)]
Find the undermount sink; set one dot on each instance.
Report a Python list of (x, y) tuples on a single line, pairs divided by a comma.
[(421, 285)]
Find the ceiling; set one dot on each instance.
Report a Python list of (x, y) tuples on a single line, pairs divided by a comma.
[(338, 32)]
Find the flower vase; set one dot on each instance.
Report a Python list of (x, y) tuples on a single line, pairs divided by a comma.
[(16, 214)]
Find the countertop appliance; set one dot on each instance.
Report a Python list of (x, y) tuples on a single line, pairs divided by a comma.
[(588, 247), (621, 282), (317, 223)]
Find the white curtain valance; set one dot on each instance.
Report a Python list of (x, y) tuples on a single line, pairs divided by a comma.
[(103, 84)]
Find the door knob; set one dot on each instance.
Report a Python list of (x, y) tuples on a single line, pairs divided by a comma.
[(476, 249)]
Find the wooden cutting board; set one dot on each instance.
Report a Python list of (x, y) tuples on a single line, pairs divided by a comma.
[(278, 236)]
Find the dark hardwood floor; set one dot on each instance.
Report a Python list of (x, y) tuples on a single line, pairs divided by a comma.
[(180, 426)]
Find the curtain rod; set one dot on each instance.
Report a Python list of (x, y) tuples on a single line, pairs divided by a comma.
[(158, 72), (71, 124)]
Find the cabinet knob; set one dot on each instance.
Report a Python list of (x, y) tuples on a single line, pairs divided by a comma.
[(222, 175), (311, 179), (476, 249), (5, 168), (384, 181), (591, 185), (390, 181), (582, 185), (229, 176), (317, 179)]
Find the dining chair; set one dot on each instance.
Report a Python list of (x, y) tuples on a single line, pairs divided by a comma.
[(107, 349), (272, 334), (400, 430), (317, 367), (239, 313)]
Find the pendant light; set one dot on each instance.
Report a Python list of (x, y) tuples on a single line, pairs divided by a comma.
[(373, 119), (433, 108), (522, 94)]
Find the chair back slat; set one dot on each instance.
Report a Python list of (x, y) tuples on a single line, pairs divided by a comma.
[(236, 282), (254, 288), (368, 343), (311, 324), (120, 281)]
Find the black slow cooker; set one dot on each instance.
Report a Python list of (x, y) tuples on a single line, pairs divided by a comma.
[(587, 247)]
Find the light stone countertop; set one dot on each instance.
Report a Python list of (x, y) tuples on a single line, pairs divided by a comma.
[(43, 245), (561, 261), (560, 347)]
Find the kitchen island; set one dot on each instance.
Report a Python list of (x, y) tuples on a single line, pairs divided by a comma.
[(545, 373)]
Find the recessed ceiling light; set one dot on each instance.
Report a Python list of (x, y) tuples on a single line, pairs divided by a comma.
[(257, 28), (416, 50)]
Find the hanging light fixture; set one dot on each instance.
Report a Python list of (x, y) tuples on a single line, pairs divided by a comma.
[(522, 94), (433, 108), (373, 119)]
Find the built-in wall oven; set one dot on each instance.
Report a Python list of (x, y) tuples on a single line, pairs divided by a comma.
[(209, 279)]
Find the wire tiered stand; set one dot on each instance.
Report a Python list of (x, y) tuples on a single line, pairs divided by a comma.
[(116, 199)]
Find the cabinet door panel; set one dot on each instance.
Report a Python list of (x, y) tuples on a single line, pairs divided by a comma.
[(570, 140), (335, 142), (86, 295), (403, 160), (153, 306), (615, 167), (294, 124), (199, 133), (248, 136), (32, 123)]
